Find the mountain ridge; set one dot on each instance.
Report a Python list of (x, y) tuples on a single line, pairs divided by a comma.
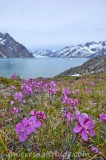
[(88, 50), (9, 48)]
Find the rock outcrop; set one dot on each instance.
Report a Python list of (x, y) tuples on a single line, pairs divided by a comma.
[(9, 48), (93, 65)]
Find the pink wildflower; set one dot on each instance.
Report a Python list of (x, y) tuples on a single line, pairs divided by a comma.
[(65, 99), (52, 89), (94, 149), (39, 114), (14, 76), (14, 110), (77, 114), (45, 87), (88, 90), (11, 103), (28, 87), (84, 126), (66, 91), (33, 124), (74, 102), (76, 91), (26, 127), (103, 117), (21, 129), (13, 87), (92, 83), (69, 116), (18, 96)]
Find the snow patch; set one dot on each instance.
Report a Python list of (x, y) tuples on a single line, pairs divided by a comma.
[(39, 56), (3, 55)]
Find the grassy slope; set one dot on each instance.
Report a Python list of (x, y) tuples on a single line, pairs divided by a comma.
[(54, 135)]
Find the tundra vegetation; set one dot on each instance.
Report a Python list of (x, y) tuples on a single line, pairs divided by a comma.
[(53, 119)]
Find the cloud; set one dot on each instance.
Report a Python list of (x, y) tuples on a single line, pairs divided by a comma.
[(53, 23)]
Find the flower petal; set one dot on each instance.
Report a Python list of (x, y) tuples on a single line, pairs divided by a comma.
[(29, 129), (37, 124), (84, 135), (22, 136), (91, 132), (94, 149), (25, 121), (18, 127), (81, 121), (84, 115), (33, 118), (89, 125), (77, 114), (77, 128), (32, 113)]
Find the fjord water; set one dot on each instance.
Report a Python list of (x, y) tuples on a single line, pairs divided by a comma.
[(37, 67)]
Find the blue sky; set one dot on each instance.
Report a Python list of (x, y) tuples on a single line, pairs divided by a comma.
[(50, 24)]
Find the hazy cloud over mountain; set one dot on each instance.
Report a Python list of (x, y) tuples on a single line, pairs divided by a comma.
[(53, 23)]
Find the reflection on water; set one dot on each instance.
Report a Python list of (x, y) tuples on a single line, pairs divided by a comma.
[(37, 67)]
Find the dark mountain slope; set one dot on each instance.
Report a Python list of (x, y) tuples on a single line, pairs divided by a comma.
[(94, 65), (9, 48)]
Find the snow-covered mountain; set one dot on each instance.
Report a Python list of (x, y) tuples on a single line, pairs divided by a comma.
[(49, 53), (90, 49), (9, 48)]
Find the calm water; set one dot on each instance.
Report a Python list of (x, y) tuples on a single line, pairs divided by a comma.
[(37, 67)]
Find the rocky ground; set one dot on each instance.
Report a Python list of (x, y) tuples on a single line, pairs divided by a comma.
[(94, 65)]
